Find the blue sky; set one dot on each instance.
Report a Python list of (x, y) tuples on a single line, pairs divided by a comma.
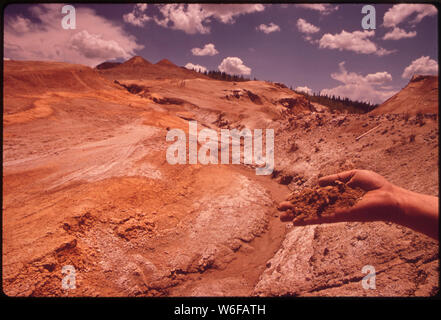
[(312, 47)]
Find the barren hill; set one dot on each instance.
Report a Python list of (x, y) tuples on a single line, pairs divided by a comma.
[(39, 76), (30, 87), (136, 62), (165, 62), (107, 65), (141, 69), (419, 96)]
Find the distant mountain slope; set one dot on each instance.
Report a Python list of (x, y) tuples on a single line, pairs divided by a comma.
[(136, 62), (165, 62), (420, 95), (107, 65), (34, 77), (34, 89), (139, 68)]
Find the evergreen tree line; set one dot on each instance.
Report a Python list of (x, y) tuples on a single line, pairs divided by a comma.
[(331, 101), (218, 75), (340, 103)]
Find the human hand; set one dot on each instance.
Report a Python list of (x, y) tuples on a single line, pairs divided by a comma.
[(381, 201)]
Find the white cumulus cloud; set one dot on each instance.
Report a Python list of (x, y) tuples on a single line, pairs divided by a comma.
[(226, 13), (423, 65), (304, 89), (234, 65), (207, 50), (195, 18), (95, 39), (323, 8), (93, 46), (371, 87), (19, 24), (195, 67), (141, 6), (401, 12), (378, 77), (306, 27), (398, 33), (356, 41), (272, 27), (137, 17)]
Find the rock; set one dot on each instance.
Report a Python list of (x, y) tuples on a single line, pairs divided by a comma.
[(327, 260), (286, 179), (224, 287), (67, 246)]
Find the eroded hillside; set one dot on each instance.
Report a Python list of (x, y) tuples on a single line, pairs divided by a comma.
[(419, 95), (86, 183)]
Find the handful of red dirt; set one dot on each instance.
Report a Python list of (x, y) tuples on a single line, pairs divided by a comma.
[(319, 202)]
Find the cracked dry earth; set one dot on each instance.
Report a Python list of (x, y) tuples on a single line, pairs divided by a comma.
[(86, 183)]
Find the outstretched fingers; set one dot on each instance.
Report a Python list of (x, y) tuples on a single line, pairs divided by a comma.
[(344, 176), (367, 209), (364, 179)]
